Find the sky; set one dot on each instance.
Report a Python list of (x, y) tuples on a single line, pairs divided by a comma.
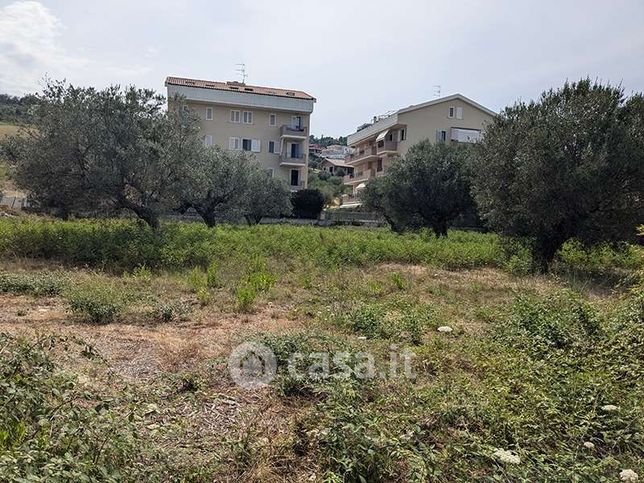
[(358, 58)]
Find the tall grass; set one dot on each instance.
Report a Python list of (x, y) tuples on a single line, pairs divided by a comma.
[(125, 244)]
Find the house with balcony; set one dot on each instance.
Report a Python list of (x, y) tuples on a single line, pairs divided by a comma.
[(451, 119), (273, 124)]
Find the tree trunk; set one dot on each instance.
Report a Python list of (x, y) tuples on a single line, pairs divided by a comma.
[(544, 253), (440, 229), (207, 215), (146, 214)]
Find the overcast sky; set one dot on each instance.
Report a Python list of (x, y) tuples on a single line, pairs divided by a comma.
[(358, 58)]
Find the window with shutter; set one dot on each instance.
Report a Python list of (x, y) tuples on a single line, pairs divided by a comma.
[(256, 146), (233, 143), (234, 116), (459, 113), (272, 119), (208, 113), (248, 117)]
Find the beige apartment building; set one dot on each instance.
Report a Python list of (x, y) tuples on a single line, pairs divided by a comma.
[(272, 124), (452, 119)]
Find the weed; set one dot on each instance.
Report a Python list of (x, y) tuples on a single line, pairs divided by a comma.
[(398, 280), (212, 275), (245, 295), (99, 301), (37, 284)]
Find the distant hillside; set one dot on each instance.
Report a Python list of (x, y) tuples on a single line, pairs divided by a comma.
[(15, 109), (325, 141)]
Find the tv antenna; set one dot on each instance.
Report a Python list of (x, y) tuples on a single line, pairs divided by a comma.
[(242, 72), (437, 91)]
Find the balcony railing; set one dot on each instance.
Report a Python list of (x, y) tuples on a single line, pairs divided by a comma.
[(358, 177), (293, 131), (362, 153), (387, 146), (299, 159)]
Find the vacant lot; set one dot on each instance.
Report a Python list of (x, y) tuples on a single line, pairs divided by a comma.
[(116, 340)]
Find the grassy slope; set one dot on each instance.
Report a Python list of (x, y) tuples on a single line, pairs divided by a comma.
[(495, 382)]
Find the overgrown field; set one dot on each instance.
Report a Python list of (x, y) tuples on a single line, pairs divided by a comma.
[(115, 344)]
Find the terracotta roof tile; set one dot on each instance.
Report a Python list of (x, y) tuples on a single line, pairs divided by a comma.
[(238, 87)]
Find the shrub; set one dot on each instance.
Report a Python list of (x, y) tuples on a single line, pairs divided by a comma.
[(560, 321), (52, 429), (101, 302), (245, 295), (307, 203), (167, 311), (38, 284), (400, 320), (212, 275)]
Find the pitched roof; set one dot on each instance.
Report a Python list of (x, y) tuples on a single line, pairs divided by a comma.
[(446, 99), (240, 87)]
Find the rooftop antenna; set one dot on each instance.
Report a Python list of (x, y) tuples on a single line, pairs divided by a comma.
[(242, 72), (437, 91)]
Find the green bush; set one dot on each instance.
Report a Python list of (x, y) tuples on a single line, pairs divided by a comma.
[(38, 284), (101, 302), (245, 295), (400, 320), (52, 429), (212, 275), (560, 321), (307, 203)]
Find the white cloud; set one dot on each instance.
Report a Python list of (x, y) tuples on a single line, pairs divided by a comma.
[(30, 49)]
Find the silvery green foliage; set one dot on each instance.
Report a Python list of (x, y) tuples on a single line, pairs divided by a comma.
[(87, 151), (569, 165)]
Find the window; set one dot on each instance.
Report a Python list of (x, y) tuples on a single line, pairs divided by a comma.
[(234, 116), (272, 119), (451, 113), (248, 117), (271, 147), (295, 177), (441, 135), (207, 140), (403, 135), (459, 113), (234, 143), (379, 165), (296, 122), (208, 113), (253, 145)]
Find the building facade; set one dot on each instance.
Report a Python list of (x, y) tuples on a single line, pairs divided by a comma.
[(452, 119), (272, 124)]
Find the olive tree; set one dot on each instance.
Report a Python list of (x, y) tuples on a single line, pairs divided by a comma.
[(228, 185), (267, 196), (569, 165), (87, 151), (429, 187)]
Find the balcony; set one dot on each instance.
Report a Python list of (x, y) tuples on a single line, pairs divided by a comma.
[(293, 160), (358, 177), (298, 132), (362, 154), (387, 146)]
